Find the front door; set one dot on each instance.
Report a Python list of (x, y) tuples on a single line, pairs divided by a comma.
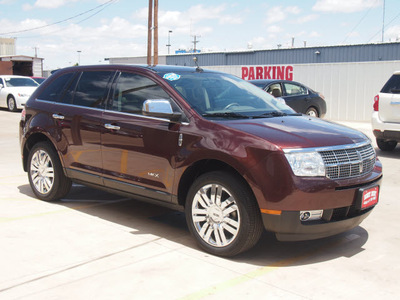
[(138, 151)]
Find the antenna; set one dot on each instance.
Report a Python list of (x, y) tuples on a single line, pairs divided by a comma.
[(198, 69)]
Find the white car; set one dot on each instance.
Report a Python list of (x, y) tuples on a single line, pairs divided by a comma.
[(15, 91), (386, 115)]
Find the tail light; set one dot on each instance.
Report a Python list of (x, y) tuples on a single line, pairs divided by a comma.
[(376, 103), (23, 114)]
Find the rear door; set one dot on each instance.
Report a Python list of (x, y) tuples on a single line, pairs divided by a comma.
[(138, 151), (389, 100), (79, 120), (296, 96)]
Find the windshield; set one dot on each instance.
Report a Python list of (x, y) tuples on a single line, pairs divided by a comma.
[(222, 95), (14, 82)]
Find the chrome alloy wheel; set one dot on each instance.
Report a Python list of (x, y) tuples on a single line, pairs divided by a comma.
[(42, 172), (215, 215)]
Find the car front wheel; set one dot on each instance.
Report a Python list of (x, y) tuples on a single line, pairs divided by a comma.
[(312, 112), (222, 214), (11, 104), (45, 173)]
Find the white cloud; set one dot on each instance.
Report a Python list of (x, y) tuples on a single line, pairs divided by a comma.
[(51, 4), (314, 34), (392, 33), (294, 10), (231, 20), (26, 7), (274, 29), (275, 14), (345, 6), (307, 18), (279, 13)]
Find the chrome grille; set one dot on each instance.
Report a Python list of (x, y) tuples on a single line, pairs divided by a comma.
[(348, 162)]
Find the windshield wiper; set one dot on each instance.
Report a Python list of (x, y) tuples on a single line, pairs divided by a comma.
[(273, 114), (227, 115)]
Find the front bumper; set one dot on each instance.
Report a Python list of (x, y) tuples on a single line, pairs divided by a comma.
[(288, 227)]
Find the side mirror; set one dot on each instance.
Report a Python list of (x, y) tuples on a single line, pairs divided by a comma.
[(160, 108), (1, 86)]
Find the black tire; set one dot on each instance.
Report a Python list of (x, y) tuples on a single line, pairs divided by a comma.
[(312, 112), (11, 103), (45, 173), (230, 222), (386, 145)]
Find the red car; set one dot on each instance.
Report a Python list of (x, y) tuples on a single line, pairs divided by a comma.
[(231, 156)]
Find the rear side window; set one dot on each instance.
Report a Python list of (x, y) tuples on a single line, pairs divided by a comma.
[(92, 88), (294, 89), (392, 86), (53, 91), (132, 90)]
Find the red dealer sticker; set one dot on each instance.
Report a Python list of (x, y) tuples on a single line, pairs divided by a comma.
[(369, 197)]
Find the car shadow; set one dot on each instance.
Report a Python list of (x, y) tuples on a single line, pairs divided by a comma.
[(388, 154), (145, 218)]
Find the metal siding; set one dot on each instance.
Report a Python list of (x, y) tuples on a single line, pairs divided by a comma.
[(333, 54), (349, 88)]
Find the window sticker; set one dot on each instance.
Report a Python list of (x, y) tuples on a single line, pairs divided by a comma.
[(171, 76)]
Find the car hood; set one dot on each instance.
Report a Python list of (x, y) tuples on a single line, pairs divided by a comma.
[(298, 131)]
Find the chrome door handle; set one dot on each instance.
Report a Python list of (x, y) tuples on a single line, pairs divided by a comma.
[(112, 127), (58, 117)]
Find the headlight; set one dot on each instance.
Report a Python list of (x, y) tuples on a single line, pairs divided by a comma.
[(306, 163)]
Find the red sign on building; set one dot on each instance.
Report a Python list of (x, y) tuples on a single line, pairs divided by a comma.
[(267, 72)]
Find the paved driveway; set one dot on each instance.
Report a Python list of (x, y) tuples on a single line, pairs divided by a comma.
[(94, 245)]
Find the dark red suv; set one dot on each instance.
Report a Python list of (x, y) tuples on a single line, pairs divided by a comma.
[(229, 154)]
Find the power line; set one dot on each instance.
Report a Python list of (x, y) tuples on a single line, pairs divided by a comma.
[(62, 29), (384, 27), (357, 25), (62, 21)]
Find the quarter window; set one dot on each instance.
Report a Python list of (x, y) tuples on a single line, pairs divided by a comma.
[(53, 91)]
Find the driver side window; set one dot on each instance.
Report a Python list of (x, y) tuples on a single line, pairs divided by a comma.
[(132, 90)]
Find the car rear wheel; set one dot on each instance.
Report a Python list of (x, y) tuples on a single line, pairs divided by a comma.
[(45, 173), (222, 214), (312, 112), (386, 145), (11, 104)]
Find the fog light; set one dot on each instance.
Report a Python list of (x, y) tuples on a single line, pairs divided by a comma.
[(311, 215)]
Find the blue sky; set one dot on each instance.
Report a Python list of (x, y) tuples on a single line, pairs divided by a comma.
[(115, 28)]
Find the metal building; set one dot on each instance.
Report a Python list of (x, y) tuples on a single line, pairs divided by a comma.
[(311, 55), (349, 76)]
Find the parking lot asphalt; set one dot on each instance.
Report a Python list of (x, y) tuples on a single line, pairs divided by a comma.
[(102, 246)]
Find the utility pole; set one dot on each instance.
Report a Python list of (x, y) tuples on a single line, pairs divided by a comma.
[(155, 32), (153, 13), (79, 57), (169, 40), (149, 26), (195, 41), (383, 22), (36, 49)]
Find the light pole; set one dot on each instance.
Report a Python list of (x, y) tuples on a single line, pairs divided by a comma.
[(169, 40), (79, 57)]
